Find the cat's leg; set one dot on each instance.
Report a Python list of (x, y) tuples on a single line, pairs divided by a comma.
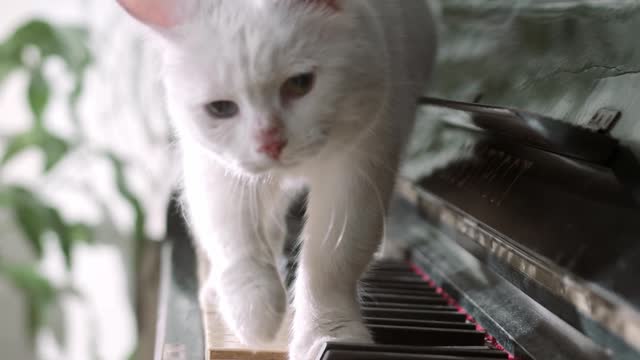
[(243, 280), (275, 203), (347, 203)]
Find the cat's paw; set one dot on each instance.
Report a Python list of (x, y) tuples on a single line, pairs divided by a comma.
[(252, 301), (306, 345)]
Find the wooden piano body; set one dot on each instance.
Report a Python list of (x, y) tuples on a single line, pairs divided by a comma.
[(520, 199)]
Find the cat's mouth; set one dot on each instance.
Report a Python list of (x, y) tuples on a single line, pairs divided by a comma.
[(274, 166), (290, 160)]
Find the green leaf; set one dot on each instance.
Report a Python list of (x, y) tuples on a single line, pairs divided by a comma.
[(53, 147), (28, 279), (36, 33), (5, 199), (33, 225), (35, 218), (7, 65), (36, 316), (68, 235), (38, 94), (67, 42), (70, 43), (140, 218), (81, 233), (74, 40), (30, 214), (73, 101), (123, 189), (17, 144), (63, 232), (39, 293)]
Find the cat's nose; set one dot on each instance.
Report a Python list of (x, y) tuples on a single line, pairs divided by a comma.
[(271, 141), (273, 149)]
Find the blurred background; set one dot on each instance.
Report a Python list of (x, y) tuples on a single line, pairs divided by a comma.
[(85, 178)]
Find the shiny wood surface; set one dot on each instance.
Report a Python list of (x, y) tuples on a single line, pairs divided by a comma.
[(223, 345)]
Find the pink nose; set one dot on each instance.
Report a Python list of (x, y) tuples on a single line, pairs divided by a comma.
[(273, 150), (272, 142)]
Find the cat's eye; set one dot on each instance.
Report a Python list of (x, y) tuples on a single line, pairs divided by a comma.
[(223, 109), (298, 86)]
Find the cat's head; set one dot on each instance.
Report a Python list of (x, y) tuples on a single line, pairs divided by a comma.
[(259, 84)]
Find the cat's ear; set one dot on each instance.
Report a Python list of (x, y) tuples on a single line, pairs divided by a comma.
[(162, 14)]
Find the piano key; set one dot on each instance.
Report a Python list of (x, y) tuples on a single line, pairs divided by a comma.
[(467, 352), (413, 285), (404, 299), (393, 291), (431, 315), (400, 269), (412, 277), (407, 306), (390, 267), (407, 335), (379, 275), (390, 264), (382, 272), (367, 355), (419, 323), (396, 281)]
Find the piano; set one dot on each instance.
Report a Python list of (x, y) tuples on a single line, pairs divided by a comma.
[(517, 210)]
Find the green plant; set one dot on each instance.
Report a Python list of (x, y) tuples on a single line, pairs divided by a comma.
[(27, 51)]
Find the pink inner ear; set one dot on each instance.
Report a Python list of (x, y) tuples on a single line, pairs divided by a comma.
[(160, 13)]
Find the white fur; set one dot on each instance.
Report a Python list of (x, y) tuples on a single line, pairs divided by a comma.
[(372, 58)]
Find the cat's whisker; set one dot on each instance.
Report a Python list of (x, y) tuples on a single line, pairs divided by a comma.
[(374, 160), (282, 226), (344, 229), (254, 212), (234, 185), (330, 228), (381, 202)]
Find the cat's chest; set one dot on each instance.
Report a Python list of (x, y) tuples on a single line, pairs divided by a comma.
[(293, 183)]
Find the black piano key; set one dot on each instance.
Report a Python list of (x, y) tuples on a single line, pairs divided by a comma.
[(404, 299), (394, 291), (430, 315), (367, 355), (403, 311), (466, 352), (381, 276), (390, 264), (391, 269), (407, 335), (393, 277), (412, 285), (398, 280), (390, 272), (407, 306), (419, 323)]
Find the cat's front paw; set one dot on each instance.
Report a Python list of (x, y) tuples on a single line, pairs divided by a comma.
[(306, 345), (252, 301)]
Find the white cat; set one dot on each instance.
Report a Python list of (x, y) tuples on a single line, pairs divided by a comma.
[(267, 97)]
